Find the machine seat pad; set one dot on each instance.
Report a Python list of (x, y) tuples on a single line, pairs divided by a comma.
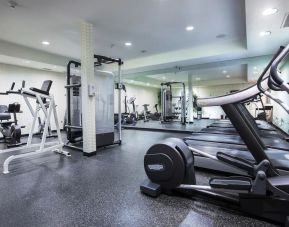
[(39, 91)]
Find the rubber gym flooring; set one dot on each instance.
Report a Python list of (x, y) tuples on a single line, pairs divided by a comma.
[(103, 190)]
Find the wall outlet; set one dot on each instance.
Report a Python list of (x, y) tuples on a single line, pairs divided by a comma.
[(91, 90)]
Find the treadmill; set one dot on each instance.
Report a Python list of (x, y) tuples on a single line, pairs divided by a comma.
[(275, 142), (248, 133)]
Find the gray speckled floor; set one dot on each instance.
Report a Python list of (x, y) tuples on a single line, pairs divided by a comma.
[(103, 190), (171, 126)]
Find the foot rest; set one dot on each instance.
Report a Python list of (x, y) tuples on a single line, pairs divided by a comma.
[(231, 183), (150, 188)]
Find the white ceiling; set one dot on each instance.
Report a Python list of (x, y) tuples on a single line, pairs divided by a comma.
[(28, 63), (157, 26), (153, 25), (236, 71)]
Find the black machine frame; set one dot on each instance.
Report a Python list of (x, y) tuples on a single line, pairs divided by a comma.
[(99, 60)]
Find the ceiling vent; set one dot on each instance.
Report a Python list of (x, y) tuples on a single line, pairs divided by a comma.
[(12, 4), (285, 23)]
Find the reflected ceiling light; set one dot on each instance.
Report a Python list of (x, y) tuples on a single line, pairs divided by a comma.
[(189, 28), (265, 33), (224, 71), (163, 77), (26, 61), (255, 67), (220, 36), (45, 43), (228, 76), (198, 78), (128, 44), (148, 84), (269, 11)]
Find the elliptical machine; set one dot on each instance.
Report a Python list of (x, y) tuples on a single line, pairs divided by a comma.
[(169, 166)]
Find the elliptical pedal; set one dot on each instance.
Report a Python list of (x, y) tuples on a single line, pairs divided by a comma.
[(231, 183)]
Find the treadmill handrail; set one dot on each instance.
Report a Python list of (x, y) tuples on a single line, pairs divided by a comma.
[(235, 97)]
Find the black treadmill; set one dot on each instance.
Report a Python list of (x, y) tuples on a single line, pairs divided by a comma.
[(264, 128), (249, 135), (278, 157), (276, 142)]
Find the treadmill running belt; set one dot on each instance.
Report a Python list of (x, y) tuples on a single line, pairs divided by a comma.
[(233, 131), (275, 143)]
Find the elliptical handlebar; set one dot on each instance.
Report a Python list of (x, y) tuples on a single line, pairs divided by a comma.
[(270, 81)]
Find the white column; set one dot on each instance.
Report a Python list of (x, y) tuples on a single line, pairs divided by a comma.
[(190, 99), (87, 79)]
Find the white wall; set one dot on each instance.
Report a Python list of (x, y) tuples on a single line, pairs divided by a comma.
[(144, 95), (211, 91), (33, 78)]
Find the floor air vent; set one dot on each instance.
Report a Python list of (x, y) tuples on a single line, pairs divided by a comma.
[(285, 23)]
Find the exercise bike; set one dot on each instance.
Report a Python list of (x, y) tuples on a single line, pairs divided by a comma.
[(10, 130), (156, 115), (130, 118)]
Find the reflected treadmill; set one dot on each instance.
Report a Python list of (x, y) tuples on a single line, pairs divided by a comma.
[(270, 140)]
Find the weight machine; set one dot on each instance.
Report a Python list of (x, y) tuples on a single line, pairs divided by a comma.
[(167, 113), (104, 105), (37, 148)]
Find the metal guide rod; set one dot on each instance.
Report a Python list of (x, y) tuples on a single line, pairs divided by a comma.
[(119, 102)]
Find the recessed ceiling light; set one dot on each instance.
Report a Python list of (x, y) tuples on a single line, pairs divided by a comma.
[(228, 76), (198, 78), (220, 36), (128, 44), (46, 43), (255, 67), (224, 71), (269, 11), (189, 28), (26, 61), (148, 84), (163, 77), (265, 33), (55, 66)]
